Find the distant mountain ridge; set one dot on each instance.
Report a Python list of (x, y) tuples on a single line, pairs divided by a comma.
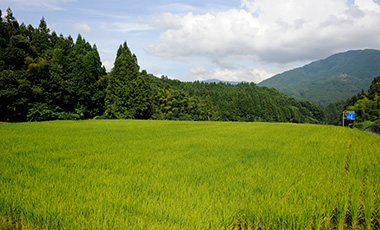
[(226, 82), (330, 80)]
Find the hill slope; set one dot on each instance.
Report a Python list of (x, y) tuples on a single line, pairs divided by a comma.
[(333, 79), (226, 82)]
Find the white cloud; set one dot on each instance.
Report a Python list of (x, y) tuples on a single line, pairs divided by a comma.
[(270, 31), (368, 5), (82, 28), (203, 34), (167, 21), (108, 65), (250, 75), (127, 27)]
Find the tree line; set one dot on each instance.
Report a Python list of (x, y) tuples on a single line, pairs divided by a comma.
[(178, 100), (45, 76)]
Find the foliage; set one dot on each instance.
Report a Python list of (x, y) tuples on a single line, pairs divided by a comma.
[(14, 91), (39, 112), (43, 75), (176, 100), (128, 92), (366, 107), (131, 174), (333, 113)]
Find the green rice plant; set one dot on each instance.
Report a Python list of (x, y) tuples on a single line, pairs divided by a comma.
[(131, 174)]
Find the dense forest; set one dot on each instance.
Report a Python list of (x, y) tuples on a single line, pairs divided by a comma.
[(45, 76), (225, 102)]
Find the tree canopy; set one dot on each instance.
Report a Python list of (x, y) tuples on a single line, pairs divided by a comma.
[(44, 76), (128, 92)]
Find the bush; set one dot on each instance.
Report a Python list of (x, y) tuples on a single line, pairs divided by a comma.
[(365, 125), (39, 112)]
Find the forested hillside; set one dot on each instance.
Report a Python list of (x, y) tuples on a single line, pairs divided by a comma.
[(242, 102), (330, 80), (45, 76), (367, 107)]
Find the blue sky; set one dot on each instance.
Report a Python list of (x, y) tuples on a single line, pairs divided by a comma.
[(237, 40)]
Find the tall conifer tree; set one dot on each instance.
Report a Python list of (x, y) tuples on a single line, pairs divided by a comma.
[(128, 93)]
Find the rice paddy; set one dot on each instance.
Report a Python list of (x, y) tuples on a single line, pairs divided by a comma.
[(131, 174)]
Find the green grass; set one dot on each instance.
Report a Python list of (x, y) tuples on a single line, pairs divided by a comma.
[(129, 174)]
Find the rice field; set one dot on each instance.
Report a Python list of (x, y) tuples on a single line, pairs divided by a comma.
[(131, 174)]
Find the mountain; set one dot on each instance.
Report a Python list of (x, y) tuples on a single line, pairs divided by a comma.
[(330, 80), (226, 82)]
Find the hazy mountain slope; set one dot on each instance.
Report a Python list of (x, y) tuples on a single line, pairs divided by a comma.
[(333, 79), (226, 82)]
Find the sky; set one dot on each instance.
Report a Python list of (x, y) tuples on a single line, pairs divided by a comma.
[(230, 40)]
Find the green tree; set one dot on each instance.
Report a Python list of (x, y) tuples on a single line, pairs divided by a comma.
[(374, 88), (15, 91), (85, 71), (39, 112), (11, 25), (333, 113), (128, 94), (142, 97), (40, 37), (46, 76), (3, 41), (16, 52)]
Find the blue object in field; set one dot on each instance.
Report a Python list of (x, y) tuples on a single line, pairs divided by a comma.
[(350, 115)]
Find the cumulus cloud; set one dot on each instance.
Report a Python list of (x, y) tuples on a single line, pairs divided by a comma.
[(203, 34), (250, 75), (82, 28), (270, 31)]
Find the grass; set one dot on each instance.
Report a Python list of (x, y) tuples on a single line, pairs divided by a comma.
[(130, 174)]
